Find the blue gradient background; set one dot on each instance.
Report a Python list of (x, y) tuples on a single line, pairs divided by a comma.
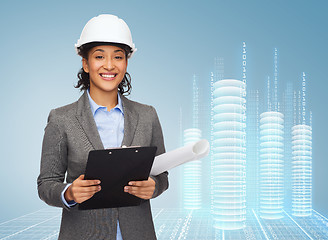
[(175, 39)]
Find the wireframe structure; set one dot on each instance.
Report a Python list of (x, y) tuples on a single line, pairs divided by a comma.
[(302, 170), (229, 203), (271, 165), (177, 224)]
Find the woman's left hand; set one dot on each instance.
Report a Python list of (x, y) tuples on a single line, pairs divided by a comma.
[(142, 189)]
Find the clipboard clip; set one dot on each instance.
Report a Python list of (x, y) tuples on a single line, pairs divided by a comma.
[(123, 146)]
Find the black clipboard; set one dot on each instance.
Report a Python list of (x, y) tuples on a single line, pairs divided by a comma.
[(115, 168)]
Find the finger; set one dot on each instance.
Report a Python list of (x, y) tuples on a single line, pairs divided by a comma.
[(138, 183), (138, 190), (87, 183), (92, 182), (90, 189), (85, 190), (131, 189), (148, 182)]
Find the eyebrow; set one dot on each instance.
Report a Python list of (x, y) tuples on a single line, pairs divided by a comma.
[(101, 50), (98, 50)]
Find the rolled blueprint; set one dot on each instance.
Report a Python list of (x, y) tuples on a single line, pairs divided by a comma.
[(172, 159)]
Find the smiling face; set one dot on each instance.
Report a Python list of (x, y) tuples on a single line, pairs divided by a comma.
[(106, 65)]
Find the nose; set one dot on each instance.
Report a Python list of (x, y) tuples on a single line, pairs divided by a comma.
[(109, 64)]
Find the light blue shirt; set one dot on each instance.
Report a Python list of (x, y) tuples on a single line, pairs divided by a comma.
[(110, 125)]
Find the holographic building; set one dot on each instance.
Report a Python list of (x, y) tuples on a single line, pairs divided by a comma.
[(302, 170), (271, 165), (229, 150)]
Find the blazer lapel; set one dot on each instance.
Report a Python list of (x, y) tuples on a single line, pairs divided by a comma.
[(87, 122), (131, 118)]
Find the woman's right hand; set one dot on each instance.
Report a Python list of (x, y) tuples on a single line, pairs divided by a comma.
[(81, 190)]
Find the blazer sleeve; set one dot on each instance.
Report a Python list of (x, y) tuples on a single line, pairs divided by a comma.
[(53, 163), (161, 180)]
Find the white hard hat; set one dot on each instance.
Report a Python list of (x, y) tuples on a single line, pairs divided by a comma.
[(106, 28)]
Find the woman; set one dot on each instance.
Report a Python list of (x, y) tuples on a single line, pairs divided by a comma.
[(101, 118)]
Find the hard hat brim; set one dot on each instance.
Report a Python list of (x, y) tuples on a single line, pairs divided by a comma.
[(90, 45)]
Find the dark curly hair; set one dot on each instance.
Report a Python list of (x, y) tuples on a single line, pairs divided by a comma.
[(84, 81)]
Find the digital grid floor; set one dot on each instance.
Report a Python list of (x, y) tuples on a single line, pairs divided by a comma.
[(171, 224)]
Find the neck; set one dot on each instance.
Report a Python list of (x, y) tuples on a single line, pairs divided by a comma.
[(107, 99)]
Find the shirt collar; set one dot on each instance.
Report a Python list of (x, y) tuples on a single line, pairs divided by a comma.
[(94, 106)]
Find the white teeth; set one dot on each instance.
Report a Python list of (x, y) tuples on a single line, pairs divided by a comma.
[(108, 76)]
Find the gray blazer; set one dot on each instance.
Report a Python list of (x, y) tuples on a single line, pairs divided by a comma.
[(70, 134)]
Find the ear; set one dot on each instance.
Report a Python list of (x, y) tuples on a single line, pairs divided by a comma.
[(126, 67), (85, 65)]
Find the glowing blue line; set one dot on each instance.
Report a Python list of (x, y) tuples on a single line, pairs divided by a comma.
[(320, 214), (158, 213), (266, 236), (298, 225), (185, 227)]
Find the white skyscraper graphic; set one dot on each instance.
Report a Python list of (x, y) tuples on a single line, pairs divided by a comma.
[(271, 165), (302, 170), (229, 155)]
